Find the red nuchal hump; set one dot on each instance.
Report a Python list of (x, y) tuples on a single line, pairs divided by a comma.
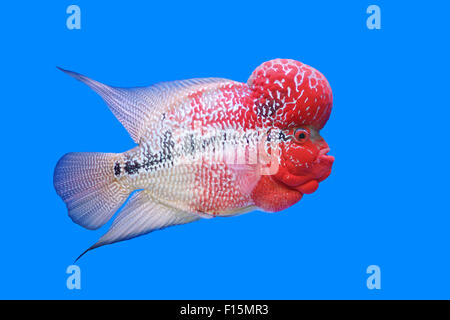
[(291, 93)]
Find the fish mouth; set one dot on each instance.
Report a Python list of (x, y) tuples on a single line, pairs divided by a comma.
[(323, 152), (308, 187), (308, 183), (304, 188)]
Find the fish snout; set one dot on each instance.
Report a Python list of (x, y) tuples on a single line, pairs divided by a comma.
[(308, 180), (321, 168), (323, 151)]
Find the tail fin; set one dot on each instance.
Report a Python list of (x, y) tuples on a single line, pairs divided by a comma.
[(86, 183)]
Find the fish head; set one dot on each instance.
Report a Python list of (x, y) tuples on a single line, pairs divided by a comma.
[(294, 101)]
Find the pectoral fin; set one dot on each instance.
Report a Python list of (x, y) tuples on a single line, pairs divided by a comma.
[(142, 215), (247, 176)]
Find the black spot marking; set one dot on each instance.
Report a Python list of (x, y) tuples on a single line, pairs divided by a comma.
[(152, 161), (117, 169), (132, 167), (209, 142), (189, 146), (168, 145), (282, 136)]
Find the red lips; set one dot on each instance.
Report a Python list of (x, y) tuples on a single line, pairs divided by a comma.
[(307, 184), (308, 187)]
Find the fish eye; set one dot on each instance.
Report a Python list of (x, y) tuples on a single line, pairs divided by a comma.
[(301, 135)]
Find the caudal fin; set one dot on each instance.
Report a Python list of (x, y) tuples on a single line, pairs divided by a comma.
[(86, 183)]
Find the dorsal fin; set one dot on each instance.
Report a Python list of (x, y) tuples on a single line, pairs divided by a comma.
[(136, 107)]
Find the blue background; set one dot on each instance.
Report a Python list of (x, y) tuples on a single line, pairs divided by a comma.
[(385, 202)]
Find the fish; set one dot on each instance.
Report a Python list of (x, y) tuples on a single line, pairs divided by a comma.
[(205, 148)]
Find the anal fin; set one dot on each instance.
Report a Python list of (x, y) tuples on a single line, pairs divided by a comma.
[(142, 215)]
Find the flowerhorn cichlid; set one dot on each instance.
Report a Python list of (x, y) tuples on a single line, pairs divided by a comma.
[(205, 148)]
